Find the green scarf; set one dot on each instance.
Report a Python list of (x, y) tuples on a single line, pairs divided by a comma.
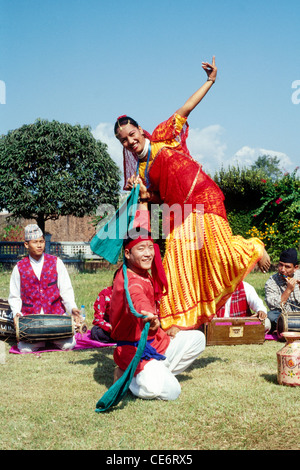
[(107, 243), (119, 389)]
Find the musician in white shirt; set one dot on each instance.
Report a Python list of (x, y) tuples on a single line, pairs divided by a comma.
[(61, 287)]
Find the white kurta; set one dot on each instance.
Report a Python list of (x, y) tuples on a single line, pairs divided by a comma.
[(254, 301), (63, 283)]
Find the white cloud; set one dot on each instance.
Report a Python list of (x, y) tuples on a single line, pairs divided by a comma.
[(247, 156), (206, 146), (105, 133)]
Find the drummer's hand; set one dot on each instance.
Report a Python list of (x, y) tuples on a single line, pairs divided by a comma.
[(210, 69), (76, 313), (18, 315)]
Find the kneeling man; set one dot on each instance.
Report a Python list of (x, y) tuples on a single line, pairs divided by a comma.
[(164, 357)]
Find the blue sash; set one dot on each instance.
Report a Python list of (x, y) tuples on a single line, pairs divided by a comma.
[(149, 351)]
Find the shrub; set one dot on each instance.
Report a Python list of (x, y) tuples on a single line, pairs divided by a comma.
[(275, 239), (280, 200), (241, 187), (12, 233)]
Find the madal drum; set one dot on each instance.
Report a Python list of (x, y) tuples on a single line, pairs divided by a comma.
[(31, 328)]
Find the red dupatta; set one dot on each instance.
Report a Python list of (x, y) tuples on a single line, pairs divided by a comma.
[(174, 174)]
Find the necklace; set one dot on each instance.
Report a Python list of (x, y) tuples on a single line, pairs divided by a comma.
[(147, 165)]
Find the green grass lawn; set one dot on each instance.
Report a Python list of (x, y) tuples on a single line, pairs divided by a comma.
[(230, 397)]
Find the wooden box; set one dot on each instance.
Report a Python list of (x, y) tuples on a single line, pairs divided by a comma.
[(234, 330)]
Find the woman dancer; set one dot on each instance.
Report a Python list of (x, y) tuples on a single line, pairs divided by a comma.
[(203, 261)]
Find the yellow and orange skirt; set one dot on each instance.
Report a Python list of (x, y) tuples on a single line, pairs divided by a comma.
[(204, 263)]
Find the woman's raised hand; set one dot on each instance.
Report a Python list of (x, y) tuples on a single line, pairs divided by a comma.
[(210, 69)]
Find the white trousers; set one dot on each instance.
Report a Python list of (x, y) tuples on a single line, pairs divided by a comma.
[(157, 379), (63, 344)]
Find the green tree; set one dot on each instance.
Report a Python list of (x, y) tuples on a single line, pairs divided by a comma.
[(50, 169), (268, 167)]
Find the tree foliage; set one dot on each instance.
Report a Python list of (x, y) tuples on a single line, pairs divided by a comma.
[(50, 169), (241, 187), (277, 220), (268, 166), (267, 207), (279, 199)]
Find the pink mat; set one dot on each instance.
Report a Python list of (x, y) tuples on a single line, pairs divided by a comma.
[(271, 337), (86, 342), (83, 341)]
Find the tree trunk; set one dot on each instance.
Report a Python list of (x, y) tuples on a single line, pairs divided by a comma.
[(41, 222)]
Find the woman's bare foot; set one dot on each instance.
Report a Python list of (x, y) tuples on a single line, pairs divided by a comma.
[(118, 373), (265, 263), (173, 331)]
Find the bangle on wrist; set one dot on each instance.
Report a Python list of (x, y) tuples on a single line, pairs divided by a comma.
[(210, 80)]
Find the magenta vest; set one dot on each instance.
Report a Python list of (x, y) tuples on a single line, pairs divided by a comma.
[(40, 294), (239, 306)]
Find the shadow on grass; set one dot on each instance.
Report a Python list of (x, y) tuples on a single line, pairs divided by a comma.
[(105, 365), (103, 372), (199, 363), (11, 341), (102, 359), (272, 378)]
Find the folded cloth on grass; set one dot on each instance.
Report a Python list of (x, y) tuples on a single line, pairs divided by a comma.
[(83, 341), (271, 336)]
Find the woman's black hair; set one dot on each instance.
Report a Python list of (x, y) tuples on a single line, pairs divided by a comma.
[(123, 120)]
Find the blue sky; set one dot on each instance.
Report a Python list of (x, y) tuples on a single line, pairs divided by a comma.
[(90, 61)]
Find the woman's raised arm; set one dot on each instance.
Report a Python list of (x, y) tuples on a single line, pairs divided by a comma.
[(195, 99)]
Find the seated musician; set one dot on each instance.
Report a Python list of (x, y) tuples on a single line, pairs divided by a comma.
[(245, 302), (40, 284), (166, 356), (101, 326), (283, 287)]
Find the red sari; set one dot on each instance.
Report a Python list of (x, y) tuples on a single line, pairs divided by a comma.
[(203, 261)]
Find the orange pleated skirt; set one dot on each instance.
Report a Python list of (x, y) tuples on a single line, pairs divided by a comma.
[(204, 263)]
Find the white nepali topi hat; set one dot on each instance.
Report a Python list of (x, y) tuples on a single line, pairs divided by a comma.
[(32, 232)]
